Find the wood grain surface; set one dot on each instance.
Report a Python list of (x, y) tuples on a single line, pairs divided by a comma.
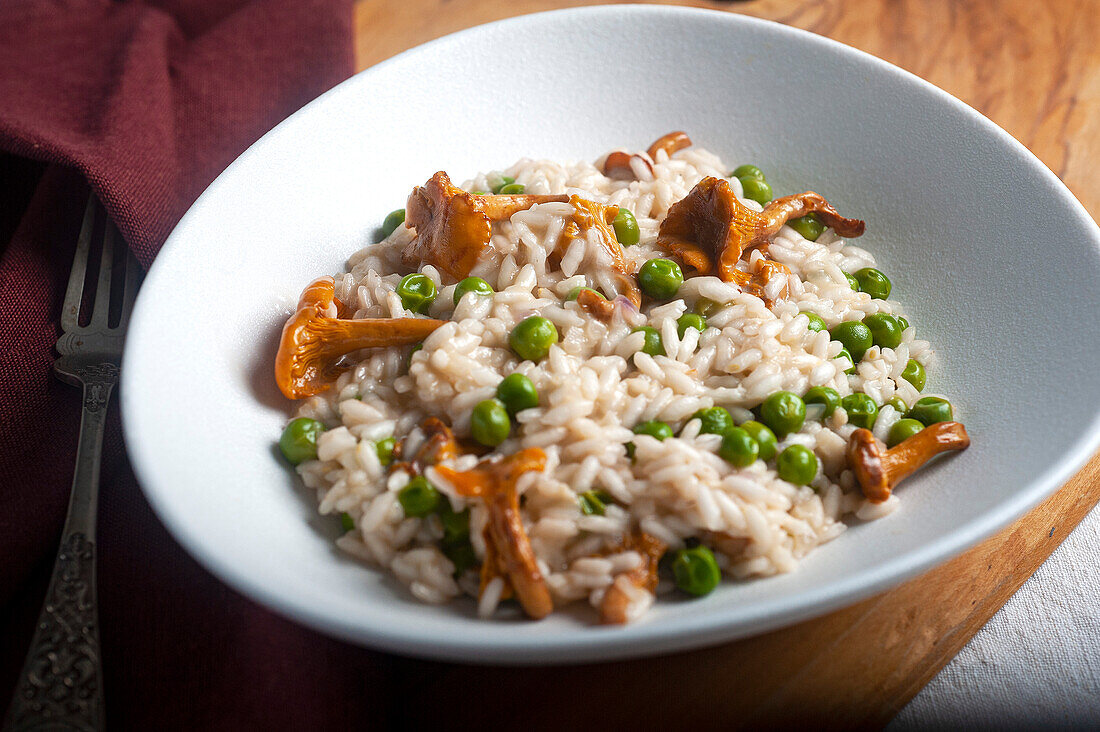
[(1034, 69)]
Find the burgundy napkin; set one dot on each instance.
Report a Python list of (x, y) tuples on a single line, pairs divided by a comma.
[(147, 103)]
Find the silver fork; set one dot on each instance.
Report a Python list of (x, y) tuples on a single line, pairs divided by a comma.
[(61, 685)]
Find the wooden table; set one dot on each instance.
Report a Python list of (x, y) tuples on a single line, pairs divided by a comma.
[(1034, 69)]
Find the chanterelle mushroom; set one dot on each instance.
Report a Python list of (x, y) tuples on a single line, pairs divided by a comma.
[(709, 228), (616, 602), (878, 470), (453, 226), (621, 165), (670, 143), (598, 218), (763, 270), (438, 444), (494, 481), (596, 305), (313, 342)]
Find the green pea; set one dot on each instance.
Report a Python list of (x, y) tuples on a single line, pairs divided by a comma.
[(690, 320), (898, 404), (653, 344), (852, 281), (904, 323), (489, 423), (738, 448), (844, 354), (419, 497), (475, 285), (392, 221), (930, 410), (456, 524), (902, 430), (532, 337), (417, 292), (660, 278), (384, 450), (874, 283), (823, 395), (576, 291), (696, 571), (626, 227), (915, 374), (456, 537), (480, 193), (816, 324), (861, 410), (756, 189), (854, 336), (505, 180), (783, 412), (797, 464), (763, 436), (298, 442), (715, 420), (809, 226), (512, 189), (347, 523), (748, 170), (654, 428), (885, 330), (594, 503), (517, 393), (461, 554), (706, 307)]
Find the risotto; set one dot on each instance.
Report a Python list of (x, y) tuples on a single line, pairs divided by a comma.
[(605, 381)]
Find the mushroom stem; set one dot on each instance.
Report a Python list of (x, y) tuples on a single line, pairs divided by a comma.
[(782, 210), (904, 458), (500, 207), (507, 544), (878, 471), (312, 343), (670, 143)]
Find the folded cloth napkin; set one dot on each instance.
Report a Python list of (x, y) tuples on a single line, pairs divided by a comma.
[(1036, 663), (147, 103)]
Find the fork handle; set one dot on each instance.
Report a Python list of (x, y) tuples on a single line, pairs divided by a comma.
[(61, 685)]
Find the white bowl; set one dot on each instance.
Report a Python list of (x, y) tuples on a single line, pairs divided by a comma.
[(995, 260)]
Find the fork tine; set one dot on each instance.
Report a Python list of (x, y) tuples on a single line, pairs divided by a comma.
[(130, 288), (101, 310), (70, 311)]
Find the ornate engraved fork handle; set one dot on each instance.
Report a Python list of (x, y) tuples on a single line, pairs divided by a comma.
[(61, 686)]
